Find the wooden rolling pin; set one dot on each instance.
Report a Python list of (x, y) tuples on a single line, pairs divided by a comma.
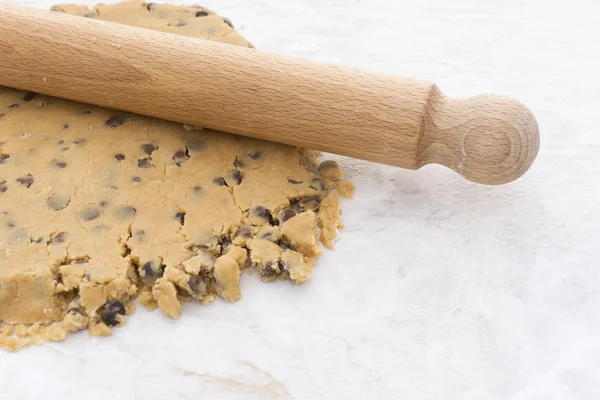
[(397, 121)]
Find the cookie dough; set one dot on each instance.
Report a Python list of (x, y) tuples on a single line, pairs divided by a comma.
[(99, 207)]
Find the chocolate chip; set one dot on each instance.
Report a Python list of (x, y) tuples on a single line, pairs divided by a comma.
[(286, 214), (318, 184), (60, 238), (312, 202), (86, 112), (228, 22), (225, 244), (136, 179), (29, 96), (57, 202), (66, 126), (75, 311), (151, 269), (103, 203), (150, 6), (10, 224), (60, 164), (180, 216), (327, 165), (119, 157), (2, 115), (90, 213), (244, 231), (261, 212), (126, 212), (60, 142), (145, 163), (293, 181), (26, 181), (197, 189), (180, 157), (194, 282), (267, 235), (3, 158), (220, 181), (238, 163), (14, 106), (270, 269), (80, 141), (3, 187), (149, 148), (234, 177), (110, 311), (140, 235), (255, 155), (115, 122), (201, 14)]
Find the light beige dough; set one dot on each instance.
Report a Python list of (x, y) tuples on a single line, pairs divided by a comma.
[(99, 207)]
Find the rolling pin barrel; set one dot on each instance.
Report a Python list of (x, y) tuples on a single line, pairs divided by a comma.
[(397, 121)]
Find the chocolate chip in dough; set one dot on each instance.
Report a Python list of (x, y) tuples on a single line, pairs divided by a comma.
[(219, 181), (3, 158), (61, 142), (60, 164), (119, 157), (80, 141), (262, 213), (136, 179), (180, 157), (15, 105), (318, 184), (201, 13), (3, 187), (57, 202), (234, 177), (60, 238), (86, 112), (28, 96), (115, 121), (149, 148), (255, 155), (140, 235), (90, 213), (145, 163), (293, 181), (194, 283), (326, 165), (10, 224), (151, 269), (270, 269), (66, 126), (110, 311), (197, 189), (244, 231), (312, 202), (26, 181), (180, 216), (150, 6), (126, 212), (238, 163), (286, 214)]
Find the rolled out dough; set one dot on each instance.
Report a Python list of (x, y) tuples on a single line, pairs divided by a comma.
[(99, 207)]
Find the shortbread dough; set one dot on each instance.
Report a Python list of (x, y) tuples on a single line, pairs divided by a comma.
[(99, 207)]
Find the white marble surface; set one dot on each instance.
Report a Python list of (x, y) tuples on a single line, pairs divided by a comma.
[(438, 288)]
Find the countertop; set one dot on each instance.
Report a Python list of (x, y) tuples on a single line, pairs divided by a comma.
[(438, 288)]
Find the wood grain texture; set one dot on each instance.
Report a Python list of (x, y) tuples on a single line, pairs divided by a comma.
[(381, 118)]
